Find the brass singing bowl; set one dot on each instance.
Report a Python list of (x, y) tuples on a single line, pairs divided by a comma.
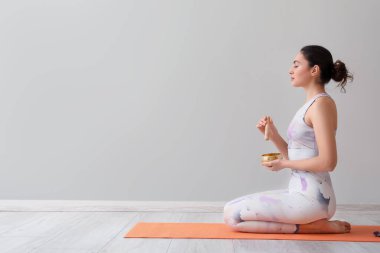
[(270, 157)]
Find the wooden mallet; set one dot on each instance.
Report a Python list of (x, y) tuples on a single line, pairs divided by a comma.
[(267, 130)]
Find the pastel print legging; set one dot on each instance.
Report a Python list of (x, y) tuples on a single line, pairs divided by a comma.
[(281, 211)]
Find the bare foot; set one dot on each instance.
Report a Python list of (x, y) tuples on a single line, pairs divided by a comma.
[(325, 227)]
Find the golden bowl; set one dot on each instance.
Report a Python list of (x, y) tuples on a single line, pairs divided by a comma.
[(270, 157)]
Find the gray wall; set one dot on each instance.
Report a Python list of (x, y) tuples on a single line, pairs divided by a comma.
[(158, 100)]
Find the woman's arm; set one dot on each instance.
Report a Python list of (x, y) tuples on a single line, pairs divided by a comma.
[(323, 118), (280, 144)]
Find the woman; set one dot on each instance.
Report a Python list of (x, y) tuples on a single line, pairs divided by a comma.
[(309, 202)]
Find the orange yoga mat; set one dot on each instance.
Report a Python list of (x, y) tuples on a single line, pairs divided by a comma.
[(222, 231)]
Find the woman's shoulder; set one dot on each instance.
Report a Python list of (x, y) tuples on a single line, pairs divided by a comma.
[(322, 102), (324, 107), (325, 102)]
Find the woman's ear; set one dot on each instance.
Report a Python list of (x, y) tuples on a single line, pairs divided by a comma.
[(315, 70)]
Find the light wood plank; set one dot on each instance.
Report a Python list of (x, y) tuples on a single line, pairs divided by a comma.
[(101, 229), (12, 244), (358, 218), (90, 233), (350, 215), (245, 246), (42, 224), (202, 245), (141, 245), (12, 220), (65, 232)]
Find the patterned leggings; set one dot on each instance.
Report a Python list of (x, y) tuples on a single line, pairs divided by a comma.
[(278, 211)]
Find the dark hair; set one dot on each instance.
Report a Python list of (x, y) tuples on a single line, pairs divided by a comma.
[(317, 55)]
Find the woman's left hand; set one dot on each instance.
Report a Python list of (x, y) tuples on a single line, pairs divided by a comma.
[(274, 165)]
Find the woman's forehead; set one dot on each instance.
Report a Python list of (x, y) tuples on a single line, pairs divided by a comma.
[(299, 58)]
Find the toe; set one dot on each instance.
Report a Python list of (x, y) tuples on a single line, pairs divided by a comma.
[(348, 227)]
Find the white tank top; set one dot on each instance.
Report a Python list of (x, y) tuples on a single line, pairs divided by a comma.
[(302, 145)]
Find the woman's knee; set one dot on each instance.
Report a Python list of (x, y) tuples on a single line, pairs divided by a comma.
[(231, 215)]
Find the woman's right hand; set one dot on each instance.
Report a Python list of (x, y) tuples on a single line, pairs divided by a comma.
[(263, 122)]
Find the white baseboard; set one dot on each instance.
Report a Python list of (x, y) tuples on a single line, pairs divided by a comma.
[(108, 206)]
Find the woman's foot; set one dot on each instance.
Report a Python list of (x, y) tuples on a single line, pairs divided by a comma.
[(325, 227)]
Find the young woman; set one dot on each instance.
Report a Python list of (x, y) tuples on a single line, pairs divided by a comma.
[(311, 153)]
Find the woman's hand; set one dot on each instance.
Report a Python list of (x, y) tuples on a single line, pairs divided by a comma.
[(272, 129), (274, 165)]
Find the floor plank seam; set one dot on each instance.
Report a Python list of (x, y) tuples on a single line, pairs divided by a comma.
[(118, 233), (170, 243)]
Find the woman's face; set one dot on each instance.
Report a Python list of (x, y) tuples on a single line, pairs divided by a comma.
[(300, 72)]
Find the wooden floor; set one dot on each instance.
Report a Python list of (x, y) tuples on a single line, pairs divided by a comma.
[(99, 226)]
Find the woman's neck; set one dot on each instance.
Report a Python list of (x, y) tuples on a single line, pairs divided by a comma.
[(313, 91)]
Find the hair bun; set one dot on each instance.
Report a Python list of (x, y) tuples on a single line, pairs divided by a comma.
[(340, 74), (339, 71)]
